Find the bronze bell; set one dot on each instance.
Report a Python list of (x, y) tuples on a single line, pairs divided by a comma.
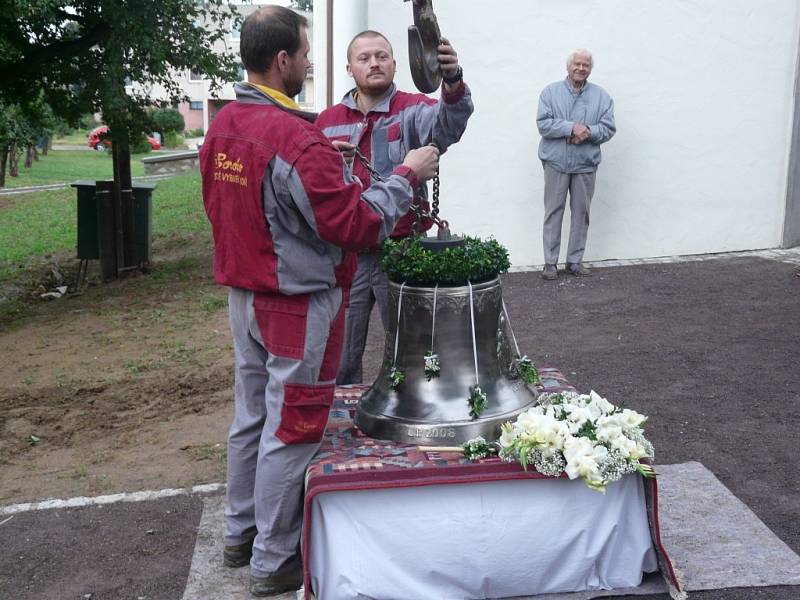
[(466, 328)]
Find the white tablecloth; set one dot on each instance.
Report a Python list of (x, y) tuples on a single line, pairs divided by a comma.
[(479, 540)]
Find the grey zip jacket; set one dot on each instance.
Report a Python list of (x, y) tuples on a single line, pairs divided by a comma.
[(560, 107)]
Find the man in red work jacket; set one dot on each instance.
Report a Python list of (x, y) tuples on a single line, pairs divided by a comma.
[(286, 216), (385, 123)]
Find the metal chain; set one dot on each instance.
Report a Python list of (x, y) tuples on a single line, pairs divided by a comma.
[(418, 210), (435, 199), (368, 166)]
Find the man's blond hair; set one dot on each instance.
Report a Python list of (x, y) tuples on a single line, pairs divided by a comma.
[(369, 33)]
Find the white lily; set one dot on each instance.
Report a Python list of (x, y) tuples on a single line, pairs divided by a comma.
[(604, 405), (631, 419), (607, 429)]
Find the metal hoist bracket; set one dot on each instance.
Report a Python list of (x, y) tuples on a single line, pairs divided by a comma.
[(423, 40)]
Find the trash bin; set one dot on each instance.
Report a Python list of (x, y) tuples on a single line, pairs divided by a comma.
[(88, 245)]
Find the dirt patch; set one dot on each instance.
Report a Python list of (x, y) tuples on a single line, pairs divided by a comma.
[(126, 386)]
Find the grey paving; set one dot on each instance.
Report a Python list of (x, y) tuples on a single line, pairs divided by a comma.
[(787, 255), (208, 579), (716, 541)]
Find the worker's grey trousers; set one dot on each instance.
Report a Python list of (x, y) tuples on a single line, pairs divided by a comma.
[(581, 189), (287, 351), (370, 285)]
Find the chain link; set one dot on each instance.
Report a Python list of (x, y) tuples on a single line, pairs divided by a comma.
[(368, 166), (417, 208)]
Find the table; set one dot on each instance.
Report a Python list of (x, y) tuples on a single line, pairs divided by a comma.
[(385, 520)]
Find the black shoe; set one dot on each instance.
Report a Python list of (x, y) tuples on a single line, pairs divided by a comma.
[(237, 556), (550, 272), (578, 270), (286, 579)]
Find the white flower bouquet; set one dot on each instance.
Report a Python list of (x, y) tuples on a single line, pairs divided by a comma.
[(583, 435)]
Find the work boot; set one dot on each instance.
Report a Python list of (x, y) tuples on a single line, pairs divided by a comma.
[(237, 556), (550, 272), (578, 270), (285, 579)]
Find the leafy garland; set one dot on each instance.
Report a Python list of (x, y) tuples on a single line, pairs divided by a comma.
[(394, 376), (527, 371), (478, 448), (477, 401), (406, 260)]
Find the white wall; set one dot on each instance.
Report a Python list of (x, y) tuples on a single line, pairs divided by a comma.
[(703, 94)]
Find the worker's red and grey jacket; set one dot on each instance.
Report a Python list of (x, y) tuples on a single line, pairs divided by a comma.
[(399, 122), (285, 211)]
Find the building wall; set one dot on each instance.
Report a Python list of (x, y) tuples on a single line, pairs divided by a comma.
[(193, 118), (704, 101)]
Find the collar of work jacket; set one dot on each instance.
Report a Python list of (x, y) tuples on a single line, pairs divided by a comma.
[(249, 94), (380, 106)]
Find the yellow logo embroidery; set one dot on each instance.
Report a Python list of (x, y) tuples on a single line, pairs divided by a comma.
[(229, 171)]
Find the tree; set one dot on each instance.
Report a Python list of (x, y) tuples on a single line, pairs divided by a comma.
[(81, 53), (22, 126), (307, 5), (167, 120)]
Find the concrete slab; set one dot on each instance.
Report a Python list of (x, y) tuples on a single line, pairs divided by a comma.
[(208, 579), (714, 539)]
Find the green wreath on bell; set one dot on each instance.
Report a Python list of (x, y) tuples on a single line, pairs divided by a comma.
[(476, 261)]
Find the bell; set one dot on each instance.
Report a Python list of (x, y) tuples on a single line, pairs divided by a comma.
[(466, 329)]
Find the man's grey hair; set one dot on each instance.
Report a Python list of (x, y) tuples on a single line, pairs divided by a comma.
[(581, 51)]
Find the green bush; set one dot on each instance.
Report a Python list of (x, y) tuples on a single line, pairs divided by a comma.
[(195, 132), (166, 120), (173, 140), (140, 145), (408, 261), (87, 121)]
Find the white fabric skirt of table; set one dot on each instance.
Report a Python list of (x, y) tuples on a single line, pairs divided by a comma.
[(479, 540)]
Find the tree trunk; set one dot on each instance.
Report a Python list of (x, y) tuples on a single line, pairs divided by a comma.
[(13, 168), (35, 152), (29, 156), (46, 146), (3, 161), (123, 200)]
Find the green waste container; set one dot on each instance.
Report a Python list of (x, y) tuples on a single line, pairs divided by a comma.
[(88, 239)]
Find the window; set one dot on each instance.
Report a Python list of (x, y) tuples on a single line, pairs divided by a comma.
[(301, 97), (195, 75), (195, 105)]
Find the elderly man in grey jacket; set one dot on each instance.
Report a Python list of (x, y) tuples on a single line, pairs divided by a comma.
[(574, 118)]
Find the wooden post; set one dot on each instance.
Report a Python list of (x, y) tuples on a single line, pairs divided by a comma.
[(107, 230), (123, 199), (3, 162)]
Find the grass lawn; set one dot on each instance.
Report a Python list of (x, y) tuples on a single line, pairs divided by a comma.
[(75, 137), (37, 225), (61, 166)]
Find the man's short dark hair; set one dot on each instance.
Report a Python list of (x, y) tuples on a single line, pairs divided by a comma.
[(266, 32), (369, 33)]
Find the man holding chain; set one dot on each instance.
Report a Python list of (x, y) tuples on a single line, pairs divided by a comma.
[(382, 124), (286, 219)]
